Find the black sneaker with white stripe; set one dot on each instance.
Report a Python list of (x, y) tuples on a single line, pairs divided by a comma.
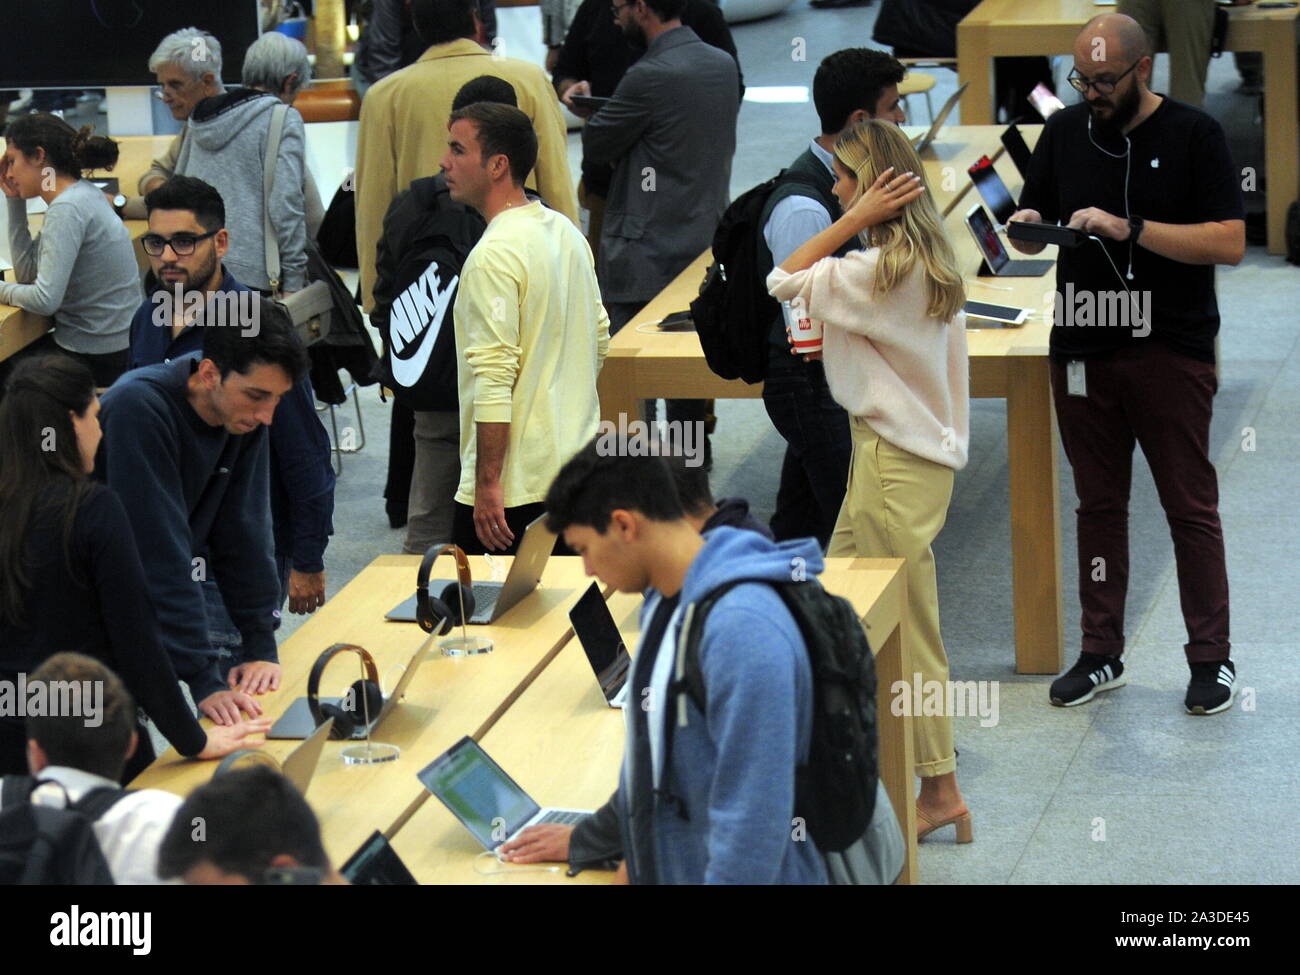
[(1211, 688), (1092, 674)]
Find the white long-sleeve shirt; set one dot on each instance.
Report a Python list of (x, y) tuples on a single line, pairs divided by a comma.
[(130, 833), (887, 361)]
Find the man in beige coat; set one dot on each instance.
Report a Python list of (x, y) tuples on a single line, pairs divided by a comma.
[(404, 122)]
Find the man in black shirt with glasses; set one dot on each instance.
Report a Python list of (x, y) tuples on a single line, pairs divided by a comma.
[(1153, 184)]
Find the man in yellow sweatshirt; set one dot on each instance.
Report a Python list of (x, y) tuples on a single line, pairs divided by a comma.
[(531, 333)]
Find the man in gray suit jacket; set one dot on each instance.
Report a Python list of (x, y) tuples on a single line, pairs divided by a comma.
[(669, 131)]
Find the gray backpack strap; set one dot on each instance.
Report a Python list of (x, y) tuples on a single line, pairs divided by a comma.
[(271, 245)]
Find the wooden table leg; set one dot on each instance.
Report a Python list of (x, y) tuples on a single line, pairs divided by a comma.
[(616, 387), (896, 753), (1281, 154), (1035, 518), (975, 65)]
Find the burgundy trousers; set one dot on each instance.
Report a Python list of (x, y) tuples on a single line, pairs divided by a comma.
[(1162, 401)]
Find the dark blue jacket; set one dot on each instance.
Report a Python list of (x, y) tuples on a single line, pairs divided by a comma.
[(197, 502), (302, 480)]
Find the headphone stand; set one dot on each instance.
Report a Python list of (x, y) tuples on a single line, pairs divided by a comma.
[(370, 752), (464, 645)]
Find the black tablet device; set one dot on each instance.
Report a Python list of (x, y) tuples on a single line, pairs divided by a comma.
[(1046, 233)]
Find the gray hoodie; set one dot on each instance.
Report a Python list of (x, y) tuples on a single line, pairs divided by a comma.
[(225, 147)]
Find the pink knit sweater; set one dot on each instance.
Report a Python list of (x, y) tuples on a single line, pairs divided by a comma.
[(906, 374)]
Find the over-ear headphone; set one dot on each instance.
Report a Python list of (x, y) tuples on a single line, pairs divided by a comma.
[(362, 703), (440, 613)]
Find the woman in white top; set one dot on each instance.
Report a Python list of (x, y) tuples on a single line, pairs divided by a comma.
[(81, 269), (895, 352)]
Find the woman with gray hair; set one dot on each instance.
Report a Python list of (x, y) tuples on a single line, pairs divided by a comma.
[(278, 64)]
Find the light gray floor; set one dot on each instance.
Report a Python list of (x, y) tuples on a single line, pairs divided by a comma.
[(1177, 799)]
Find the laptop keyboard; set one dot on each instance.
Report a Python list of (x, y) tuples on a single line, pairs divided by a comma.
[(565, 818)]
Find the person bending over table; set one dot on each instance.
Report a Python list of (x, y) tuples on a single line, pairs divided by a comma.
[(80, 270), (70, 572), (185, 448), (896, 360)]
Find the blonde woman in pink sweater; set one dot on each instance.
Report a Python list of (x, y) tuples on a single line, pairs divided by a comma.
[(895, 354)]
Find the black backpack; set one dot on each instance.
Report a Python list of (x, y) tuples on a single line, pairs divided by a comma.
[(427, 237), (47, 845), (734, 313), (835, 792)]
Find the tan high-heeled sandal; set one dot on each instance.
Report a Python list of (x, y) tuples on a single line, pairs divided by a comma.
[(926, 826)]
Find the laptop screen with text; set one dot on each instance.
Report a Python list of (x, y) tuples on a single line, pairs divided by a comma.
[(478, 792)]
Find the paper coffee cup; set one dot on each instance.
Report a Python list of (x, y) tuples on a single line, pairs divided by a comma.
[(805, 332)]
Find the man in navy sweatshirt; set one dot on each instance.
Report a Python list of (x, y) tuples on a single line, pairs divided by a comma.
[(730, 772), (195, 289), (185, 447)]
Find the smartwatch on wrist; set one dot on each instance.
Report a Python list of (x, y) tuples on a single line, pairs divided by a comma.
[(1135, 225), (119, 202)]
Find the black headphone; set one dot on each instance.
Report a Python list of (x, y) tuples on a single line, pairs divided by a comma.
[(362, 703), (440, 613)]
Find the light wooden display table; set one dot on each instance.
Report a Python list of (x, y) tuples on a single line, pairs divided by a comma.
[(533, 702), (448, 698), (564, 745), (1005, 363), (1006, 28)]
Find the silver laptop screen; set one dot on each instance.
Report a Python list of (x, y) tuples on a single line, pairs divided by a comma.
[(479, 793)]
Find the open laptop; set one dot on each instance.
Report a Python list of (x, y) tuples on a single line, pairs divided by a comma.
[(996, 259), (994, 192), (921, 143), (489, 803), (301, 764), (493, 599), (1014, 143), (297, 722), (603, 645), (376, 864)]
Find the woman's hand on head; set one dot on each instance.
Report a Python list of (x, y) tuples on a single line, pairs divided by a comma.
[(7, 184), (885, 199)]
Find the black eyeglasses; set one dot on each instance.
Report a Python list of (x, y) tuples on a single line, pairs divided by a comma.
[(1081, 84), (182, 245)]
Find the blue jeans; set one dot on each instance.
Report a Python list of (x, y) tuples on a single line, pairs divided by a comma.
[(223, 635)]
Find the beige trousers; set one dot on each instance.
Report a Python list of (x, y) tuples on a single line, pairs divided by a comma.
[(895, 505)]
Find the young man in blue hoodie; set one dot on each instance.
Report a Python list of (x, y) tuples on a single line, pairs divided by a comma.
[(720, 809)]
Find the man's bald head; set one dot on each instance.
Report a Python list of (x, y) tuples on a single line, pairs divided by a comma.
[(1110, 40)]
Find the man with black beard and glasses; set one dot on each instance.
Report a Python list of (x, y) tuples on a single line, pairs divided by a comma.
[(1132, 347), (186, 242)]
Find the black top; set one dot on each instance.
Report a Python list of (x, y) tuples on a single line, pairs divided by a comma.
[(597, 51), (97, 604), (1179, 171)]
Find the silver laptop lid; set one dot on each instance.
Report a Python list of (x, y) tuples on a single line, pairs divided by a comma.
[(526, 570), (301, 764), (942, 117), (479, 793)]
